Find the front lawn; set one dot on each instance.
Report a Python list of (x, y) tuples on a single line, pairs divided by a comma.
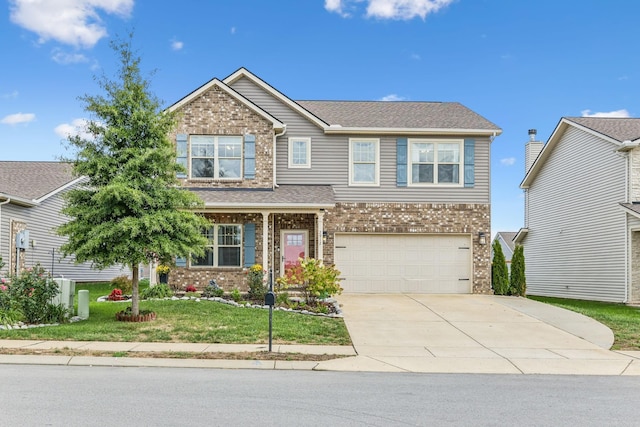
[(622, 319), (189, 321)]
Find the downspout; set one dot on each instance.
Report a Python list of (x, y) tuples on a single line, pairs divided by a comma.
[(2, 203), (275, 137)]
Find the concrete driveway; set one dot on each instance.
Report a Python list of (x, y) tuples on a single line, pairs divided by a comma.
[(475, 334)]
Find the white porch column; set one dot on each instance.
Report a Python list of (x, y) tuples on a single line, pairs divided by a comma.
[(265, 240), (152, 274), (319, 234)]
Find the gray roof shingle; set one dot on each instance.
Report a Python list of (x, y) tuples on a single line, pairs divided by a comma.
[(401, 114), (508, 237), (317, 196), (620, 129), (33, 180)]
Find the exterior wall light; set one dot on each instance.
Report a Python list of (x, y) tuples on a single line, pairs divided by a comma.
[(482, 238), (324, 237)]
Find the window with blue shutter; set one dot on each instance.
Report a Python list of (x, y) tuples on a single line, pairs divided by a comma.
[(401, 162), (181, 153), (249, 156), (469, 162), (249, 245)]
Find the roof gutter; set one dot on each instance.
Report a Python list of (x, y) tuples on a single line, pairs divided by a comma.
[(337, 129), (18, 200)]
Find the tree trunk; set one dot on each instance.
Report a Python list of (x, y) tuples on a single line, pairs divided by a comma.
[(135, 300)]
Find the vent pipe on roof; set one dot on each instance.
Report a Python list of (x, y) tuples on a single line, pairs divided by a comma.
[(531, 150)]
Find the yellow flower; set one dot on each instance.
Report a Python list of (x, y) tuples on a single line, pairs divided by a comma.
[(163, 269)]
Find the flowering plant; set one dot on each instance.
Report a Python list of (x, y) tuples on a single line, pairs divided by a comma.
[(115, 295), (163, 269), (191, 288)]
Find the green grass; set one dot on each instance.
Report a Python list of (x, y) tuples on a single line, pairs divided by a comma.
[(622, 319), (189, 321)]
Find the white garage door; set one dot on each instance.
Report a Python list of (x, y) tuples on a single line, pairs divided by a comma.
[(406, 263)]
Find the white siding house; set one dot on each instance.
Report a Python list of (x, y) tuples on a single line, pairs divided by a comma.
[(580, 217), (31, 199)]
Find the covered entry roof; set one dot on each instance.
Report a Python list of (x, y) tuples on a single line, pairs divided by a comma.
[(283, 196)]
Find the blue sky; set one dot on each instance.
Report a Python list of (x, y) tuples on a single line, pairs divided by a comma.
[(521, 64)]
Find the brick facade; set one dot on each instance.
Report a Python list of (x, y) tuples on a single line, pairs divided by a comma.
[(634, 297), (216, 113), (16, 227)]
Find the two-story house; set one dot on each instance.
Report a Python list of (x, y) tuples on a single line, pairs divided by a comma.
[(581, 235), (395, 194)]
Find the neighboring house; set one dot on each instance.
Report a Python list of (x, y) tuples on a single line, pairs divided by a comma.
[(396, 194), (31, 199), (505, 238), (581, 235)]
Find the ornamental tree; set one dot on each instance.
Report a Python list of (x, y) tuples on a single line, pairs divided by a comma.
[(499, 271), (131, 209), (518, 281)]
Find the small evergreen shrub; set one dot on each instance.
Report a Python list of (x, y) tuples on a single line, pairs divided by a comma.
[(236, 295), (518, 282), (499, 272)]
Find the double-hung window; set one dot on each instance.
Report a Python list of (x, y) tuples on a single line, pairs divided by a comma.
[(217, 157), (223, 247), (435, 162), (299, 152), (364, 161)]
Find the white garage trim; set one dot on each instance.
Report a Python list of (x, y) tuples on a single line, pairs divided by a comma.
[(404, 263)]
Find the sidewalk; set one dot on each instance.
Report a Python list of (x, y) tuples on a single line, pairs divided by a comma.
[(404, 333)]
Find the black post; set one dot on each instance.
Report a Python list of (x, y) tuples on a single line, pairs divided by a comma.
[(270, 310)]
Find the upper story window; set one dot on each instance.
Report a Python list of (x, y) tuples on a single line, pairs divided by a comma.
[(217, 157), (299, 152), (364, 161), (223, 247), (436, 161)]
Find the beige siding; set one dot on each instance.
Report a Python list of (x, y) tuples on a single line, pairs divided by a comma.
[(575, 247), (330, 161)]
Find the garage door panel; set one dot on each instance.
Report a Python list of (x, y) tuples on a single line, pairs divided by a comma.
[(411, 263)]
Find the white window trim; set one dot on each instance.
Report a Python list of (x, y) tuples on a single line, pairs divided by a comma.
[(410, 182), (216, 161), (376, 182), (215, 247), (303, 166)]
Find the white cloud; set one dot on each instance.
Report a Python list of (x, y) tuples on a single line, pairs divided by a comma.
[(508, 161), (14, 119), (416, 57), (617, 113), (78, 127), (68, 58), (233, 30), (389, 9), (392, 97), (176, 44), (73, 22)]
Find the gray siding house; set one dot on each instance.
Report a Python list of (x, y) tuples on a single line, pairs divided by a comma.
[(505, 239), (581, 235), (395, 194), (31, 199)]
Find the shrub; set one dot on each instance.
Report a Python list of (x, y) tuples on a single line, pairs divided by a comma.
[(212, 290), (191, 288), (499, 272), (315, 279), (161, 290), (31, 292), (255, 277), (123, 283), (518, 282), (143, 283), (236, 295)]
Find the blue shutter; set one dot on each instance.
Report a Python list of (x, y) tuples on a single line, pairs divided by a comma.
[(401, 162), (249, 245), (469, 162), (181, 262), (181, 153), (249, 156)]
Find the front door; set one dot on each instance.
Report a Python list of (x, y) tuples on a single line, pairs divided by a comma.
[(294, 244)]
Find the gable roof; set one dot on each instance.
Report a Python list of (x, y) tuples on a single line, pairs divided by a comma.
[(368, 116), (618, 131), (234, 94), (507, 237), (409, 116), (28, 183)]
